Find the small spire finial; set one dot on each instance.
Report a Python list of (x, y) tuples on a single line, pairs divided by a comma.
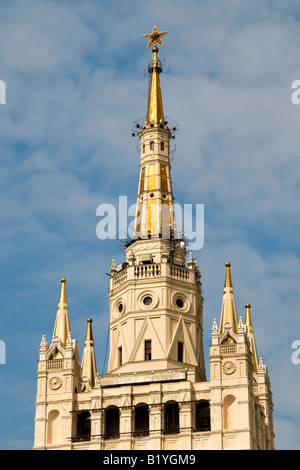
[(248, 319), (63, 294), (228, 281)]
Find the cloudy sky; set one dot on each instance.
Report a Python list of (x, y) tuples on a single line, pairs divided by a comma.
[(76, 80)]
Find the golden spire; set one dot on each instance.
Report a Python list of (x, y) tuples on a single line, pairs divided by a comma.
[(228, 281), (62, 322), (250, 333), (155, 112), (89, 368), (228, 312)]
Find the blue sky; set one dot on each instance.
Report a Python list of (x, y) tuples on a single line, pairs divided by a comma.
[(75, 82)]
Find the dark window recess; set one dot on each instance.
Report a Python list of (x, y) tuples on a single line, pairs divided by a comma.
[(120, 356), (112, 423), (148, 350), (147, 300), (180, 351), (171, 418), (83, 426), (162, 146), (141, 420), (203, 416)]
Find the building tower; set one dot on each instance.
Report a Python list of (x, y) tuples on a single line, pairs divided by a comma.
[(155, 394)]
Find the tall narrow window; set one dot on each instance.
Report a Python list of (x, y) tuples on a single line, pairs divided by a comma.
[(180, 351), (112, 423), (148, 350), (162, 146), (203, 416), (171, 418), (151, 145), (141, 420), (83, 426), (120, 356)]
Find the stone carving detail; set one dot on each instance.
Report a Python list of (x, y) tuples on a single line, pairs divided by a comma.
[(55, 383), (229, 368)]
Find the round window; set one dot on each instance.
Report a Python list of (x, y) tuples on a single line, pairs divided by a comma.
[(147, 300), (179, 303), (120, 308)]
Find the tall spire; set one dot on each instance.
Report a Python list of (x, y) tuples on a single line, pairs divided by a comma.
[(155, 200), (250, 333), (228, 312), (155, 113), (89, 368), (62, 322)]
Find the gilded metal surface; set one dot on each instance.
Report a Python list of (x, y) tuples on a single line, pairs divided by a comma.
[(142, 180), (155, 37), (228, 281), (248, 322), (152, 184), (155, 111), (63, 303)]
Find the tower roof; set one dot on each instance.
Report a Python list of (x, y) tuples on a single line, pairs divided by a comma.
[(228, 312), (250, 333), (89, 368), (62, 322)]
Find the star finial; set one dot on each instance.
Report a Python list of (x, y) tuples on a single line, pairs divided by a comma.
[(155, 37)]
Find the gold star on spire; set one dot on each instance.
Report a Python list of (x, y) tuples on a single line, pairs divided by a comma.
[(155, 37)]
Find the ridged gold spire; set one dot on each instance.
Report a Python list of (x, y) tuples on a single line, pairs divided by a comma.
[(62, 322), (228, 312), (250, 332), (155, 113), (89, 368), (155, 216)]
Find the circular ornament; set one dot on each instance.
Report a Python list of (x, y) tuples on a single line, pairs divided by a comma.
[(55, 383), (229, 368)]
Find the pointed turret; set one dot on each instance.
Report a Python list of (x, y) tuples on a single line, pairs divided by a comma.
[(228, 313), (89, 368), (250, 333), (62, 322)]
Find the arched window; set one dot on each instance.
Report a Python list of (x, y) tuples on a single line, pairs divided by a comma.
[(171, 415), (84, 426), (112, 423), (151, 145), (144, 148), (203, 416), (229, 408), (53, 427), (141, 420), (162, 146)]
